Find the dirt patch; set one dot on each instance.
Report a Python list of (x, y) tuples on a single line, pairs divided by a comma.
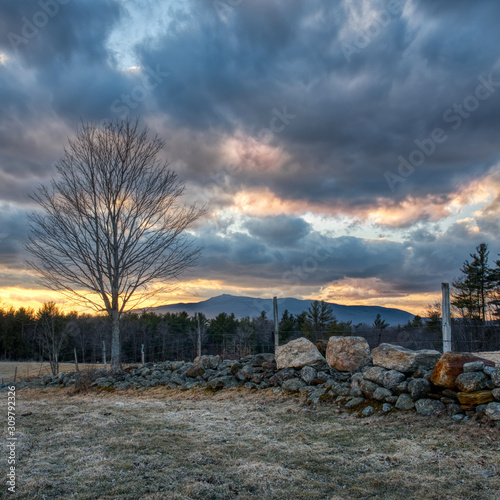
[(239, 444)]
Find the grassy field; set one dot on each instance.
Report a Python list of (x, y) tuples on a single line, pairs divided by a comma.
[(160, 444), (27, 370)]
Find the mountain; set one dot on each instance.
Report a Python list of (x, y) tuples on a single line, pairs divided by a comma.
[(249, 306)]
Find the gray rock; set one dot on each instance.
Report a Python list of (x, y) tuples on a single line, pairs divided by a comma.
[(418, 388), (356, 379), (264, 357), (315, 395), (404, 402), (356, 392), (257, 378), (493, 411), (391, 399), (367, 411), (250, 385), (286, 374), (354, 402), (195, 371), (453, 409), (394, 357), (298, 353), (386, 407), (224, 382), (496, 393), (375, 374), (489, 370), (401, 388), (481, 410), (381, 393), (247, 371), (458, 417), (473, 366), (471, 381), (368, 388), (293, 385), (212, 362), (495, 376), (392, 378), (347, 353), (429, 407), (308, 374)]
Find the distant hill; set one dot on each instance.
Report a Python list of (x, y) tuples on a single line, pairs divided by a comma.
[(249, 306)]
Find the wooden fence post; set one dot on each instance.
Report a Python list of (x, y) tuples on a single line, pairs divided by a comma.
[(142, 354), (76, 361), (104, 354), (446, 317), (276, 324), (198, 340)]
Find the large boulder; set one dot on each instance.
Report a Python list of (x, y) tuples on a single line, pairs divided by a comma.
[(297, 354), (450, 366), (347, 354), (395, 357)]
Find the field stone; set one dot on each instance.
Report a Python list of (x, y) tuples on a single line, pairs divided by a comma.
[(495, 376), (395, 357), (450, 366), (381, 393), (224, 382), (368, 388), (367, 411), (453, 409), (293, 385), (347, 354), (375, 374), (195, 371), (308, 374), (489, 370), (493, 411), (475, 398), (247, 371), (429, 407), (386, 407), (496, 393), (356, 392), (473, 366), (297, 354), (470, 381), (315, 395), (404, 402), (392, 378), (401, 388), (263, 357), (418, 388), (205, 361), (354, 402)]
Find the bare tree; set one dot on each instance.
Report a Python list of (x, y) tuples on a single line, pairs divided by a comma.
[(52, 331), (111, 230)]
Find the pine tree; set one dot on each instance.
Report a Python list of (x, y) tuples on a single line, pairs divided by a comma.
[(474, 288)]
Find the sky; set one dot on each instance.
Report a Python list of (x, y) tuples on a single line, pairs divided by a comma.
[(346, 151)]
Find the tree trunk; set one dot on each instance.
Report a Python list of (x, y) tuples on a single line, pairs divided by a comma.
[(115, 341)]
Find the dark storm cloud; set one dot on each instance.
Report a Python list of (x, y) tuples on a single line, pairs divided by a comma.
[(356, 105), (353, 117)]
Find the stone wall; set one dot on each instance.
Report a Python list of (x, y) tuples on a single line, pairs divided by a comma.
[(387, 379)]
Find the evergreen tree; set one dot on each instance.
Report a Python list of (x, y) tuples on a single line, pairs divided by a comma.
[(474, 289)]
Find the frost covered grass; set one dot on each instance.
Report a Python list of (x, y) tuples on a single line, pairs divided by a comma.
[(239, 444)]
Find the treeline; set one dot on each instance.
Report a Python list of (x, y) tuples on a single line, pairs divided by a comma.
[(55, 336)]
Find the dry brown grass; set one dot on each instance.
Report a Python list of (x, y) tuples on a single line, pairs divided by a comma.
[(240, 445), (28, 370)]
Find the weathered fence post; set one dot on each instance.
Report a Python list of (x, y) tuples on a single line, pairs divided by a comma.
[(446, 317), (76, 360), (104, 354), (276, 324), (142, 354), (198, 339)]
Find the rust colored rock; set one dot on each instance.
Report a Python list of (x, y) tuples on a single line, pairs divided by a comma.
[(475, 398), (450, 366), (347, 354)]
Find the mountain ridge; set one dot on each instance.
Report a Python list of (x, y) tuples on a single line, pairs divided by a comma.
[(243, 306)]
